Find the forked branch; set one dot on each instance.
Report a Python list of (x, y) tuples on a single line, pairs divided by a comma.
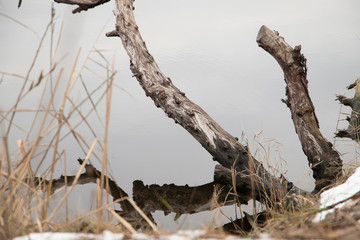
[(253, 179), (323, 159)]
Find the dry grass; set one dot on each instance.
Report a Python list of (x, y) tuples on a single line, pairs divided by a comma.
[(34, 137), (288, 216)]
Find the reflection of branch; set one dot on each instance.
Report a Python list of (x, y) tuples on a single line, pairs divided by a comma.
[(181, 199), (90, 176), (167, 198)]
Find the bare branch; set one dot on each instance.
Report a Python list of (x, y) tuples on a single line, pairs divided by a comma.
[(353, 130), (220, 144), (84, 5), (323, 159)]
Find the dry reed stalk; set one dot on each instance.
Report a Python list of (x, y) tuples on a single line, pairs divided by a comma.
[(105, 149), (20, 176), (75, 180), (90, 213), (22, 167), (122, 221), (60, 125), (143, 215), (20, 96), (66, 202)]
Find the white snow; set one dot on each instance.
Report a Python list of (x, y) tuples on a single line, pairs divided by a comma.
[(338, 194), (107, 235)]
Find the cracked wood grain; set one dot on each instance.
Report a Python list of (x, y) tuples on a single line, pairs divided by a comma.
[(323, 159), (224, 148)]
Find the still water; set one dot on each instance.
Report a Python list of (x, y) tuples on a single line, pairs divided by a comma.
[(208, 49)]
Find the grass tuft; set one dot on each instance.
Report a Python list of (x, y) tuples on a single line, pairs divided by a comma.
[(35, 140)]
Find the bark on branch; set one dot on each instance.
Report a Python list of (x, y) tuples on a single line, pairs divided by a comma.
[(255, 181), (252, 179), (150, 198), (84, 5), (323, 159)]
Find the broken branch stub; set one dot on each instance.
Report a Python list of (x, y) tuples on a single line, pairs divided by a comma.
[(323, 159), (220, 144), (83, 5), (353, 130)]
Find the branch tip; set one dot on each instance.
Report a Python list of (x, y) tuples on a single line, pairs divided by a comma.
[(113, 33)]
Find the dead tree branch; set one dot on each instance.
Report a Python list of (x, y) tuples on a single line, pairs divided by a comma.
[(83, 5), (323, 159), (252, 179), (353, 130), (224, 148)]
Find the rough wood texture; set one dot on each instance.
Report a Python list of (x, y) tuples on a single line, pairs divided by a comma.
[(181, 199), (84, 5), (150, 198), (353, 130), (220, 144), (92, 175), (322, 157)]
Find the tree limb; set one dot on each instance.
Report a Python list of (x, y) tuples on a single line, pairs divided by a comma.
[(224, 148), (84, 5), (353, 130), (252, 179), (323, 159)]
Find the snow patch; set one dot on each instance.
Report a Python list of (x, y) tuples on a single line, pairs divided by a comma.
[(107, 235), (338, 194)]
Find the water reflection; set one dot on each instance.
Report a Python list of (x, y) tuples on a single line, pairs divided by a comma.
[(168, 198)]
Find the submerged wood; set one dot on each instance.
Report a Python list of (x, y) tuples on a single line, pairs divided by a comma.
[(323, 159), (353, 130), (255, 181)]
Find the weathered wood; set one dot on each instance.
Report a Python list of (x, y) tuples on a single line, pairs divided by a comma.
[(150, 198), (182, 199), (353, 130), (254, 181), (220, 144), (92, 175), (323, 159), (84, 5)]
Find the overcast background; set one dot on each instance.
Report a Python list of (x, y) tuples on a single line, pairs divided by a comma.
[(208, 48)]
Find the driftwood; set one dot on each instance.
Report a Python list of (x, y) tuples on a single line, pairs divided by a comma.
[(181, 199), (247, 223), (83, 5), (252, 179), (92, 175), (353, 130), (323, 159), (150, 198)]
